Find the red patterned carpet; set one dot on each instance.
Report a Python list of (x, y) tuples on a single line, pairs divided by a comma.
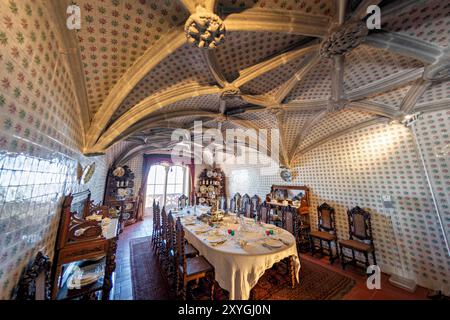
[(316, 282)]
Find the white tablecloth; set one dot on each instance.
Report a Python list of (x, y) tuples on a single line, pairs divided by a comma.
[(238, 269)]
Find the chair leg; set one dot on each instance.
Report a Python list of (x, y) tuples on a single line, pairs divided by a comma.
[(374, 258), (321, 248), (366, 256), (184, 290), (353, 257), (313, 247), (330, 252), (342, 258)]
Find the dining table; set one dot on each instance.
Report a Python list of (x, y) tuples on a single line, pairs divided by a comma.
[(240, 249)]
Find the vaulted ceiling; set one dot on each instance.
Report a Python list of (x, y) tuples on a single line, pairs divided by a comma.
[(310, 68)]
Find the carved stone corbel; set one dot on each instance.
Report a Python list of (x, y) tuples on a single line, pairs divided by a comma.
[(204, 29)]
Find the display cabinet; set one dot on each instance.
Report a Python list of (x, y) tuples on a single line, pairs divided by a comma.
[(210, 187)]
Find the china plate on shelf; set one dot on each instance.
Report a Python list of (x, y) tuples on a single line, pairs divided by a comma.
[(211, 188), (203, 189), (209, 174)]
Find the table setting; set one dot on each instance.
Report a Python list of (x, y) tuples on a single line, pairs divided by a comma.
[(239, 248)]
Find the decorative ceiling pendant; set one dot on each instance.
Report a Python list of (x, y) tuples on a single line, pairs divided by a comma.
[(205, 29), (230, 92), (344, 38)]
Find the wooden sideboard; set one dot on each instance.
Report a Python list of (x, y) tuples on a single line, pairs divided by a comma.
[(281, 195), (81, 242)]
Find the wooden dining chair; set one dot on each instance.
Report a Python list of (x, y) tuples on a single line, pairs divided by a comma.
[(290, 223), (183, 201), (222, 203), (254, 204), (326, 232), (189, 250), (190, 269), (263, 212), (361, 239), (290, 220), (235, 203), (156, 225), (245, 206), (161, 252)]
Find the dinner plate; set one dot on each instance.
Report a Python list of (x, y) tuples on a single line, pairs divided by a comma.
[(203, 228), (203, 189), (273, 243), (216, 238), (209, 174)]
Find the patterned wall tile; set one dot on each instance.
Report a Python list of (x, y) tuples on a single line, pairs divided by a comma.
[(317, 7), (366, 65), (428, 22), (357, 169), (115, 33), (316, 85), (245, 49), (437, 92), (185, 66), (270, 82), (39, 138), (391, 98), (332, 123)]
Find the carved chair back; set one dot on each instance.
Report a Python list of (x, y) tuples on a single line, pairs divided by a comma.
[(170, 232), (359, 223), (245, 205), (254, 204), (263, 212), (235, 203), (157, 216), (222, 203), (290, 220), (164, 229), (179, 244), (183, 201), (35, 282), (326, 220)]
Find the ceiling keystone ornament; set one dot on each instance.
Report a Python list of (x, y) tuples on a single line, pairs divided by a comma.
[(343, 39), (336, 105), (438, 71), (205, 29), (230, 92)]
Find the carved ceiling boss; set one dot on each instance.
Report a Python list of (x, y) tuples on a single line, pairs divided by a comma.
[(343, 39), (204, 29)]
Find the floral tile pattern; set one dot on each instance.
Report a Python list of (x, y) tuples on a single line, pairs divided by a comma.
[(360, 167), (115, 33), (39, 138)]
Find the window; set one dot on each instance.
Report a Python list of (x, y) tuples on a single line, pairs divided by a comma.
[(166, 184)]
